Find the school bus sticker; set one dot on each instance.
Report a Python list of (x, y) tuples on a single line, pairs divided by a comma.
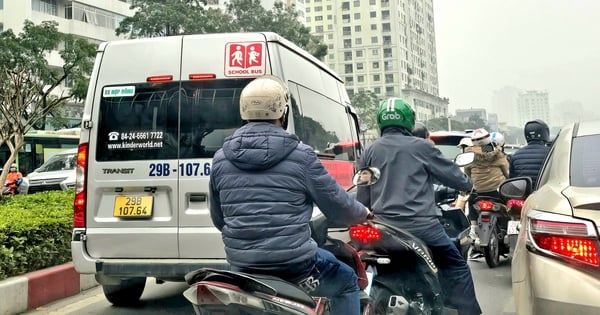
[(245, 59)]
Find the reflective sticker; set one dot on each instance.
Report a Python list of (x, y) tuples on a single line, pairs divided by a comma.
[(245, 59), (118, 91)]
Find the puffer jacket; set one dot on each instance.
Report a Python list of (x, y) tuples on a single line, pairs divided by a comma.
[(488, 170), (528, 161), (263, 185)]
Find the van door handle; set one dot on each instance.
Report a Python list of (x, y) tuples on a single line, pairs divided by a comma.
[(198, 197)]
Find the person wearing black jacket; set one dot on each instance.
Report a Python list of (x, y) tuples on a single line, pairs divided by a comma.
[(528, 160)]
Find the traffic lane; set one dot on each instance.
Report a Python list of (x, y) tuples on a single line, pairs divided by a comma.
[(493, 287), (166, 298)]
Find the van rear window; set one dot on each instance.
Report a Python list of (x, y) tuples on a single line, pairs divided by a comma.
[(151, 121)]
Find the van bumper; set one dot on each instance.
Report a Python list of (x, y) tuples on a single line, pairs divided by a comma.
[(107, 270)]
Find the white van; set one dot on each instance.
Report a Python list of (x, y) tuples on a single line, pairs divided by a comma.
[(156, 112)]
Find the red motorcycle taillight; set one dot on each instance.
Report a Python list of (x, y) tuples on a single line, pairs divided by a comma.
[(515, 203), (364, 233), (485, 205)]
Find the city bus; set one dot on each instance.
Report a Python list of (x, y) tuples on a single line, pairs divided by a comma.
[(39, 146)]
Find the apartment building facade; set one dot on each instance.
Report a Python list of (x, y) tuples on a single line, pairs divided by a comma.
[(94, 20), (533, 105), (385, 46)]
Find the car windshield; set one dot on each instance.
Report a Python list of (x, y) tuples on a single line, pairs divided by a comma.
[(59, 162), (449, 151), (585, 165)]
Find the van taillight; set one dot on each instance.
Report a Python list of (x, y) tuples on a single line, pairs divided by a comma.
[(568, 239), (160, 78), (80, 186), (202, 76)]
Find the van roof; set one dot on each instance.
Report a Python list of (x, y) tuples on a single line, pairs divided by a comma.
[(269, 37)]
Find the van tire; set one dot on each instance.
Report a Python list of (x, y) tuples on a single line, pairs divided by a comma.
[(127, 293)]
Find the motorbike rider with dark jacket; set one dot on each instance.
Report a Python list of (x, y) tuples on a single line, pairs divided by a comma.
[(528, 160), (404, 195), (263, 184)]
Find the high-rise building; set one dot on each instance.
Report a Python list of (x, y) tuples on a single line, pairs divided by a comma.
[(387, 47), (466, 114), (504, 103), (94, 20), (533, 105)]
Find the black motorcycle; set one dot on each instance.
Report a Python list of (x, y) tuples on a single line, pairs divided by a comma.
[(493, 222)]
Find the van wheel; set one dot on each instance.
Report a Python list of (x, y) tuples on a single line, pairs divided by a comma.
[(127, 293)]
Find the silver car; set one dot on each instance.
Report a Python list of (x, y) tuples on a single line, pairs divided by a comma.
[(58, 173), (555, 267)]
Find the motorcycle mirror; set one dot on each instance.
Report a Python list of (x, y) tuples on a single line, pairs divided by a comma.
[(464, 159), (366, 176)]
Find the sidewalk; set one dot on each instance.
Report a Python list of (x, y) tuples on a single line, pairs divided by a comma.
[(21, 293)]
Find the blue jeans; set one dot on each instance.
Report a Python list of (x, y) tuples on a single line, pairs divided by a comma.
[(455, 273), (337, 281)]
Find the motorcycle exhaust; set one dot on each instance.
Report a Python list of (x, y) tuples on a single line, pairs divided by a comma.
[(398, 305)]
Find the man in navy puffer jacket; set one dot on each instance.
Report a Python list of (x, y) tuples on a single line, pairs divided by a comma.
[(528, 160), (263, 184)]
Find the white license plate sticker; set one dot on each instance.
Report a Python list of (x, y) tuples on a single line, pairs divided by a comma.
[(513, 227)]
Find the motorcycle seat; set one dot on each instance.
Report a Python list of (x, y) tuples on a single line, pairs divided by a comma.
[(253, 283)]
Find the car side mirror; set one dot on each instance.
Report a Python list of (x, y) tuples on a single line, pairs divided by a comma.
[(366, 176), (516, 188)]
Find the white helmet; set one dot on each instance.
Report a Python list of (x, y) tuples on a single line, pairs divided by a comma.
[(264, 98), (497, 139), (481, 137), (465, 142)]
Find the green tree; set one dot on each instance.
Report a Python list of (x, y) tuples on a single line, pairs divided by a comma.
[(366, 104), (31, 89), (175, 17)]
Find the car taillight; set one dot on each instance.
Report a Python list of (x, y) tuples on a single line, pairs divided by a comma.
[(515, 203), (485, 205), (80, 186), (364, 233), (568, 239)]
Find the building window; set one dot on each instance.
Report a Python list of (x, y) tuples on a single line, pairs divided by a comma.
[(373, 27), (92, 15), (389, 91), (331, 56), (329, 36), (359, 53), (389, 78), (329, 7), (387, 53), (345, 6), (357, 28), (45, 6), (356, 3), (348, 68), (358, 41), (357, 16), (377, 90), (349, 80), (329, 17), (319, 18), (376, 77), (329, 27), (373, 14), (307, 19), (387, 40), (388, 65), (347, 43), (375, 52), (346, 18), (374, 40), (372, 2), (347, 55), (319, 29), (318, 9), (346, 30), (359, 66), (360, 78), (385, 15), (375, 64), (386, 27)]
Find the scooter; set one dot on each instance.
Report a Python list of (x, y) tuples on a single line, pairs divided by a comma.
[(12, 187), (226, 292), (493, 234)]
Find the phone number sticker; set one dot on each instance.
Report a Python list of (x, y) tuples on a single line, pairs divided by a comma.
[(142, 135)]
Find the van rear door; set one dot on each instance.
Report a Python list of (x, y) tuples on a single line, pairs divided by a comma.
[(132, 181), (215, 68)]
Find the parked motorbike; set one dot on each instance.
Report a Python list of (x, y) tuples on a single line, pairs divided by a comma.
[(493, 233), (12, 187), (226, 292), (405, 277)]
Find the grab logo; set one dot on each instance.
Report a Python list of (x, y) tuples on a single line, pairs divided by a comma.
[(246, 59), (391, 116)]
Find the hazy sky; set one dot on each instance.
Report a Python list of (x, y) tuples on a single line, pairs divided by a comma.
[(551, 45)]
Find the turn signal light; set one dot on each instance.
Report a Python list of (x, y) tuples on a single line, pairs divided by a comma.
[(364, 233)]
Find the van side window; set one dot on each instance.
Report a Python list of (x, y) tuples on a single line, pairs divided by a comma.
[(169, 120), (323, 123)]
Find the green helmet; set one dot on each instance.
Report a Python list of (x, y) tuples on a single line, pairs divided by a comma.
[(395, 112)]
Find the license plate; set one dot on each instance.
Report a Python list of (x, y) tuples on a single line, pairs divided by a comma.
[(512, 227), (133, 206)]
